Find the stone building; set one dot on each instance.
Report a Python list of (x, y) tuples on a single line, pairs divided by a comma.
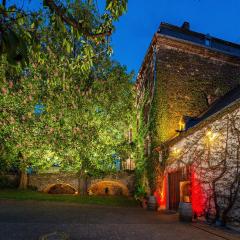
[(183, 74), (203, 166)]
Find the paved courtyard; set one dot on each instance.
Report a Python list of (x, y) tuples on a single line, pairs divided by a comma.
[(28, 220)]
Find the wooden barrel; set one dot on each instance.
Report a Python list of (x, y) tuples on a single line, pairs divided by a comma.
[(152, 203), (185, 211)]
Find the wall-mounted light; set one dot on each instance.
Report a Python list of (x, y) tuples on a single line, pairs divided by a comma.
[(211, 136), (176, 151), (182, 125)]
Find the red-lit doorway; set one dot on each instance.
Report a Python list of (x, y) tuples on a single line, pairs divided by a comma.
[(174, 179)]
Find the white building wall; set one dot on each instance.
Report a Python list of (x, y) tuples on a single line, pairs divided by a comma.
[(213, 151)]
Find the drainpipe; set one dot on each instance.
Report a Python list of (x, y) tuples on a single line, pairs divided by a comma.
[(154, 74), (154, 67), (154, 77)]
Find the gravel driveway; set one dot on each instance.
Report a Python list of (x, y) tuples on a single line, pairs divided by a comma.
[(27, 220)]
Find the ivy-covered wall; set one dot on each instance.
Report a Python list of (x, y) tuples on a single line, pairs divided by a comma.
[(183, 83), (175, 83)]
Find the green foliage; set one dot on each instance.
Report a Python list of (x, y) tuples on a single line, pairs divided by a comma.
[(21, 29), (6, 183), (159, 114), (140, 192), (18, 36), (87, 99), (86, 116), (116, 7), (151, 114), (141, 157)]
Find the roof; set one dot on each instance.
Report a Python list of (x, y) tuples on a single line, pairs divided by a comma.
[(194, 42), (184, 33), (217, 106)]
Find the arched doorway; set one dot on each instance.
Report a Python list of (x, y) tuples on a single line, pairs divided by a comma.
[(60, 188), (108, 187)]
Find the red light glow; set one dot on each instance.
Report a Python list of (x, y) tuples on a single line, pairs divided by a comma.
[(162, 197), (198, 198)]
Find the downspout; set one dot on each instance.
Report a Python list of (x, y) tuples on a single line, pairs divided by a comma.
[(154, 77), (154, 68)]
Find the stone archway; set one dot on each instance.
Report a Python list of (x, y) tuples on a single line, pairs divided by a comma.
[(60, 188), (108, 187)]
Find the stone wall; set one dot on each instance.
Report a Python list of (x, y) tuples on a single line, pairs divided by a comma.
[(43, 182), (212, 152), (108, 187)]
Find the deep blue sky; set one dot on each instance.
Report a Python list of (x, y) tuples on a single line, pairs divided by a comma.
[(134, 30)]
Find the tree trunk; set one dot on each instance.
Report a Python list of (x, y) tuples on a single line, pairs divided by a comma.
[(4, 2), (85, 192), (23, 180), (82, 183), (79, 176)]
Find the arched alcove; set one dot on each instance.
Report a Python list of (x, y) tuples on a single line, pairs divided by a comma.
[(60, 188), (108, 187)]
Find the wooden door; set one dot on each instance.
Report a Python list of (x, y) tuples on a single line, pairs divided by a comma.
[(174, 180)]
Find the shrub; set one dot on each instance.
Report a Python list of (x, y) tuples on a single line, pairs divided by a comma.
[(8, 182), (140, 192)]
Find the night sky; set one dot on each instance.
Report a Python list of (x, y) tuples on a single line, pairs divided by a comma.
[(134, 31)]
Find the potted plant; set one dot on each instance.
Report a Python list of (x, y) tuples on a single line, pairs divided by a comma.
[(141, 196)]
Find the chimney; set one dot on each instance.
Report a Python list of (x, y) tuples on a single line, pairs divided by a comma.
[(186, 26)]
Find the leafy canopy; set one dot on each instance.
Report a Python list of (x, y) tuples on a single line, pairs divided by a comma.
[(20, 29), (83, 119)]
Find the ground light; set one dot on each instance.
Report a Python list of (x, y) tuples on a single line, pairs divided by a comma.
[(198, 198), (163, 199)]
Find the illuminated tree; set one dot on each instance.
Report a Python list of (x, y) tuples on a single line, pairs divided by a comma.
[(77, 129), (56, 111)]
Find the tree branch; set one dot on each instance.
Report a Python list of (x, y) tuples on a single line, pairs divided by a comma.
[(61, 12), (4, 2)]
